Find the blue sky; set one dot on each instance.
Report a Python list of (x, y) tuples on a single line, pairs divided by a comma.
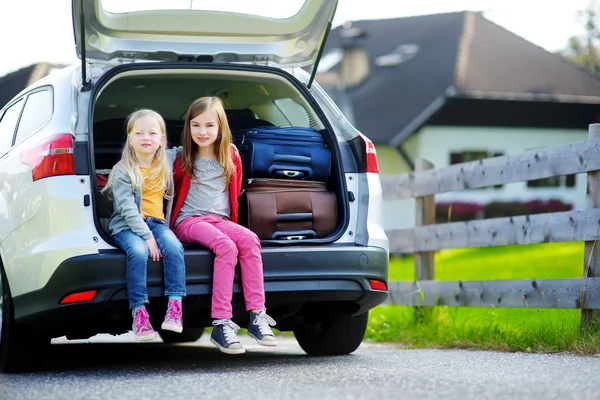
[(48, 34)]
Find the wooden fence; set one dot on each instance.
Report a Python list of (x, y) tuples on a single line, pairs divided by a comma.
[(427, 237)]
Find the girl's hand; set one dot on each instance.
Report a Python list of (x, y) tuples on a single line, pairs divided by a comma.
[(154, 250)]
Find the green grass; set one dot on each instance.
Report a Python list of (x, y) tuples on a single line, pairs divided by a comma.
[(508, 329), (552, 260)]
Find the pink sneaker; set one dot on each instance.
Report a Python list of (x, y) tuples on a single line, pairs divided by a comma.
[(142, 329), (173, 319)]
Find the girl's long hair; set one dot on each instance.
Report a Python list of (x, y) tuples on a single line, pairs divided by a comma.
[(222, 144), (129, 161)]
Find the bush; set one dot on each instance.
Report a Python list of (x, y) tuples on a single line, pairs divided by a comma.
[(513, 208), (468, 211), (498, 209), (548, 206), (457, 211)]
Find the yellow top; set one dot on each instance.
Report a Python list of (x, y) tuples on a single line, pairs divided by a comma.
[(152, 196)]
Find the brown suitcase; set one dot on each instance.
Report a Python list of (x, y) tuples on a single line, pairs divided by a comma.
[(281, 209)]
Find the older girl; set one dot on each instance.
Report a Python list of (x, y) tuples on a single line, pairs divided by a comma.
[(208, 179)]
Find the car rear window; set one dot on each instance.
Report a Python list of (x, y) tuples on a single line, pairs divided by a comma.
[(262, 8)]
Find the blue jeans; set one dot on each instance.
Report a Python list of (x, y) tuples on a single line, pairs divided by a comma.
[(137, 261)]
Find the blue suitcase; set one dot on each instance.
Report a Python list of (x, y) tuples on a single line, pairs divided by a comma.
[(284, 153)]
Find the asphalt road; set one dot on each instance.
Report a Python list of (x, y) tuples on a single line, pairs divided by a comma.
[(115, 368)]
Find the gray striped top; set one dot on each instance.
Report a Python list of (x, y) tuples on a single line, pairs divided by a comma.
[(206, 195)]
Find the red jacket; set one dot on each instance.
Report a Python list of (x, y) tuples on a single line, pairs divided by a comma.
[(182, 186)]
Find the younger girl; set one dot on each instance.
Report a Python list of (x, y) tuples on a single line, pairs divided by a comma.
[(208, 179), (140, 183)]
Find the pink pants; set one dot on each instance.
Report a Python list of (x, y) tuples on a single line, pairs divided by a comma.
[(228, 240)]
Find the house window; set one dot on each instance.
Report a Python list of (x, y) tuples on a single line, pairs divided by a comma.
[(553, 182), (474, 155), (466, 156)]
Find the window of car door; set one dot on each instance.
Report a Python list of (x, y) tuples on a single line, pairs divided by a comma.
[(8, 123), (36, 113)]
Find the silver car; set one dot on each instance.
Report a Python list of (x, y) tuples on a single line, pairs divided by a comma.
[(61, 273)]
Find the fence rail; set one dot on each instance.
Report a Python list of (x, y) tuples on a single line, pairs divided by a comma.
[(539, 293), (427, 237), (569, 159), (569, 226)]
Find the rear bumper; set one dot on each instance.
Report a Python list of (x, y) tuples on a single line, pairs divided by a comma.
[(294, 278)]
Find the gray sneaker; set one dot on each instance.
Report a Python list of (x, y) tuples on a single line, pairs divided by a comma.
[(224, 336), (259, 328)]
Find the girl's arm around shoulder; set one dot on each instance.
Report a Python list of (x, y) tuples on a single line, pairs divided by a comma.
[(172, 154), (235, 155), (237, 162), (125, 205), (177, 170)]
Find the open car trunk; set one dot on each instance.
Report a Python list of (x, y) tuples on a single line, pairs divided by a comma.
[(254, 97)]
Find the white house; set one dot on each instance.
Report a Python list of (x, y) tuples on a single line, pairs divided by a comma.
[(456, 87)]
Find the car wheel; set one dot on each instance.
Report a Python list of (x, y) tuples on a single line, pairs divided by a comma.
[(331, 335), (20, 349), (188, 335)]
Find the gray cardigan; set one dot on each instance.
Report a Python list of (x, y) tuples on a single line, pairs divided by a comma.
[(127, 202)]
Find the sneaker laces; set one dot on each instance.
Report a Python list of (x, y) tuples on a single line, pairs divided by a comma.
[(142, 320), (230, 329), (174, 310), (264, 323)]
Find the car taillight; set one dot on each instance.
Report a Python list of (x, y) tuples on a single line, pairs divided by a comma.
[(79, 297), (51, 157), (371, 155), (377, 285)]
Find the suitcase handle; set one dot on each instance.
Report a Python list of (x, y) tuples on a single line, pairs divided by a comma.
[(289, 171), (292, 174), (294, 235), (286, 173), (295, 217)]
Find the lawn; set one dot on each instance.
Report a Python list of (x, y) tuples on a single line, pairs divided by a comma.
[(549, 260), (510, 329)]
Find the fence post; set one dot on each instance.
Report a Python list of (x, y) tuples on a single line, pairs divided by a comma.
[(591, 252), (424, 261)]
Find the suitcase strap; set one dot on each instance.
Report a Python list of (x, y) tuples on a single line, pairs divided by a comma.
[(285, 184), (283, 190)]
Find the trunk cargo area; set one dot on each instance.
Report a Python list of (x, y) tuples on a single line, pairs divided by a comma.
[(271, 117)]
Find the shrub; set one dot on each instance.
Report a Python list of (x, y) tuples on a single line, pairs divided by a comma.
[(498, 209), (457, 211), (548, 206), (467, 211)]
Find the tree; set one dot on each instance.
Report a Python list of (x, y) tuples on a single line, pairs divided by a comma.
[(586, 50)]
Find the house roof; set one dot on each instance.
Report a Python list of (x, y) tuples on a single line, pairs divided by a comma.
[(433, 58)]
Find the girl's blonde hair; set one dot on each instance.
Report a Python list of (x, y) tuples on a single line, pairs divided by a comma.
[(222, 144), (129, 161)]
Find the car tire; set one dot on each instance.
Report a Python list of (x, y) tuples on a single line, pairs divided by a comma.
[(188, 335), (20, 350), (331, 335)]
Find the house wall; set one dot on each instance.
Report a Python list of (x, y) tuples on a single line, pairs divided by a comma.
[(397, 214), (435, 143)]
